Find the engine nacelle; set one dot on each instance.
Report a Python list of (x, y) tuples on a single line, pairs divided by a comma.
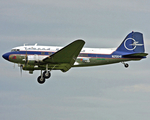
[(28, 67), (33, 59), (31, 62), (32, 67)]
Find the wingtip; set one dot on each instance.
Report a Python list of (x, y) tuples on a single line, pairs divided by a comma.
[(80, 40)]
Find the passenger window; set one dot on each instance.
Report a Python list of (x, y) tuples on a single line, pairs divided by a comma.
[(42, 53), (14, 50), (50, 53), (80, 55), (85, 55)]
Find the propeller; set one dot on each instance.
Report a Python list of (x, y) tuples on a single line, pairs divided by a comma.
[(26, 59), (14, 65), (21, 67)]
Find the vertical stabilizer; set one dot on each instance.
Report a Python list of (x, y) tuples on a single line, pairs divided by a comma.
[(133, 43)]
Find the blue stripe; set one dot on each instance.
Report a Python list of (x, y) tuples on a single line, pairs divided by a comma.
[(120, 54), (47, 53), (32, 52)]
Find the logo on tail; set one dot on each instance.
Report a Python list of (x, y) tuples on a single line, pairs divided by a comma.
[(132, 46)]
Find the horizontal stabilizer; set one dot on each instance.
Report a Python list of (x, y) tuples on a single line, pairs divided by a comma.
[(136, 55)]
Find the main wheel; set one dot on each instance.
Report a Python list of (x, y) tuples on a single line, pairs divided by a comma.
[(126, 65), (41, 80), (46, 74)]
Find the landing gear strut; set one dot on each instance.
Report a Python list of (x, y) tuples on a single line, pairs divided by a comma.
[(46, 73)]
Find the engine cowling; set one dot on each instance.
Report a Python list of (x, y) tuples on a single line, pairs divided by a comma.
[(28, 67)]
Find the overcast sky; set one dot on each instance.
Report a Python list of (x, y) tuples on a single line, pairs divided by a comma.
[(109, 92)]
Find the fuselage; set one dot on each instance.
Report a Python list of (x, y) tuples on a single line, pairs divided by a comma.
[(87, 56)]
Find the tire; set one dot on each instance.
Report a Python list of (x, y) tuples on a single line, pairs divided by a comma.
[(40, 80), (126, 65), (46, 76)]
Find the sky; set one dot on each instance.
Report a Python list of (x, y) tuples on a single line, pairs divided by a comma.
[(109, 92)]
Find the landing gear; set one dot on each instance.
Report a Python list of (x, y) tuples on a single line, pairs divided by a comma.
[(45, 75), (126, 65), (41, 79)]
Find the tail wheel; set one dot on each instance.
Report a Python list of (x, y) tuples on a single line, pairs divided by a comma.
[(41, 80), (126, 65), (46, 74)]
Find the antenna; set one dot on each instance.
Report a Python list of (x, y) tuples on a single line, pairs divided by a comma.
[(25, 44)]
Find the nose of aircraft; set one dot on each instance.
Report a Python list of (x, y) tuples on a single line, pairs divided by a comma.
[(6, 56)]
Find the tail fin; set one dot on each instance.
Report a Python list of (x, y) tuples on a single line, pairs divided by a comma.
[(133, 43)]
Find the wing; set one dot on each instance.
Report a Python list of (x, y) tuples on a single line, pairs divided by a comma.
[(65, 57)]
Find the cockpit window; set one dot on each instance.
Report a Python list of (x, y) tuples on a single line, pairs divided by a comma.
[(15, 50)]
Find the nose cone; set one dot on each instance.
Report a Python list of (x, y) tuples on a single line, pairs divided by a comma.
[(6, 56)]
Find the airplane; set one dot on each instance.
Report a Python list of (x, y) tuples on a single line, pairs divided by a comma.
[(48, 58)]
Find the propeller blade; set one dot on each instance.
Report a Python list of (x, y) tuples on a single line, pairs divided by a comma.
[(26, 59), (21, 67)]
